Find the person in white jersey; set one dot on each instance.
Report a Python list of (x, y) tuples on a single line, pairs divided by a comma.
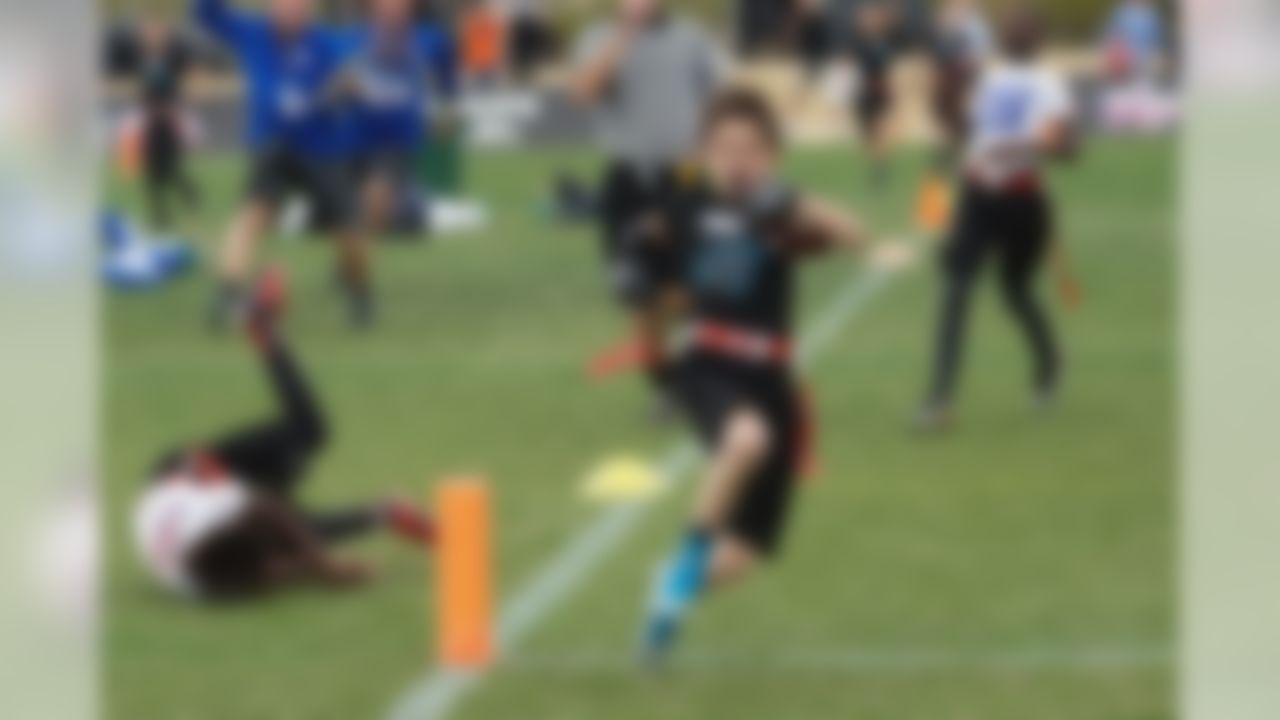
[(220, 520), (1021, 115)]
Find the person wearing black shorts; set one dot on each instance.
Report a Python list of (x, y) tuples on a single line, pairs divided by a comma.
[(298, 142), (873, 51), (1022, 114), (401, 81), (221, 519), (746, 232), (278, 172)]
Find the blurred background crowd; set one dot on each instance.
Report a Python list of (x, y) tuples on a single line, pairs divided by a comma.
[(521, 50)]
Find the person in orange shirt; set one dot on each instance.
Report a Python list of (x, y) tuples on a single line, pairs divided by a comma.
[(484, 41)]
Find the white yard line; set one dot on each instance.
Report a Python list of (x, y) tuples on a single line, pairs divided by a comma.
[(1093, 658), (440, 691)]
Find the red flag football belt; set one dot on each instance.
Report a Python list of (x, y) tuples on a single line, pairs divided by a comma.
[(749, 345), (1023, 183)]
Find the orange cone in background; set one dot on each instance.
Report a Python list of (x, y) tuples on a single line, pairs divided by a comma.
[(128, 149), (933, 205), (464, 583)]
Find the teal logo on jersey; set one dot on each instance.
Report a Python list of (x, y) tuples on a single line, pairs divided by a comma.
[(728, 266)]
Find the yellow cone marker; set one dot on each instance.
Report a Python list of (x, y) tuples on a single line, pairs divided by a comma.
[(621, 479)]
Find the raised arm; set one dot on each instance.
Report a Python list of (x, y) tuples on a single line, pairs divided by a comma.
[(223, 21), (599, 58)]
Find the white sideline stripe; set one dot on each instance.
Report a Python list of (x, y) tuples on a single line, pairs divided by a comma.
[(437, 694), (1099, 658)]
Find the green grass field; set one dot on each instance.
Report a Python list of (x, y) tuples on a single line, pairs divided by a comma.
[(1017, 569)]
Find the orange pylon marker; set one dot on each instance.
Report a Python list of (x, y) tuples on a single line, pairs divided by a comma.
[(933, 205), (464, 583)]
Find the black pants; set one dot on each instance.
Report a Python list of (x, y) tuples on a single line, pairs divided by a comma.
[(273, 456), (1014, 229), (164, 166)]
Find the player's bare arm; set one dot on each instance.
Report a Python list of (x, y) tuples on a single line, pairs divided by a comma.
[(593, 81), (829, 225)]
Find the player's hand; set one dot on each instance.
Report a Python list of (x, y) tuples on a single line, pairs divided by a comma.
[(345, 573)]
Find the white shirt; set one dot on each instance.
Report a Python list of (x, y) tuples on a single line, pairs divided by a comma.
[(1012, 107), (175, 515)]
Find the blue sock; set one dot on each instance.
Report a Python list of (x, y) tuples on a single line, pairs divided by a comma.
[(678, 584)]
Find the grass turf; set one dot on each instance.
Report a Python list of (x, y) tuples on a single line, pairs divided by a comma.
[(1018, 568)]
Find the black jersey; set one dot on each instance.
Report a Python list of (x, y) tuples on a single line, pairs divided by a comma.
[(161, 72), (739, 270)]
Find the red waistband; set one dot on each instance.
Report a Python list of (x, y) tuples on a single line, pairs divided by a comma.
[(743, 344), (1023, 183)]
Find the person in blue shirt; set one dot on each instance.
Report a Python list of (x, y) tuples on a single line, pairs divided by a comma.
[(399, 71), (297, 136), (1137, 29)]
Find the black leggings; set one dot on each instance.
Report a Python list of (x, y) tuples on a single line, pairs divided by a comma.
[(273, 456), (1016, 228), (164, 166)]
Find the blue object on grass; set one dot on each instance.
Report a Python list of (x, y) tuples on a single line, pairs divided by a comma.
[(134, 261)]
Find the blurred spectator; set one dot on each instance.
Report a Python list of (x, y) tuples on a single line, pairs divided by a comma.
[(531, 36), (761, 24), (1135, 40), (911, 19), (1136, 47), (810, 34), (873, 50), (483, 34), (648, 73), (161, 61), (960, 42)]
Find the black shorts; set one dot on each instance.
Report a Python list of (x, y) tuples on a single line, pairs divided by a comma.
[(639, 272), (162, 144), (710, 389), (873, 104), (279, 172), (1016, 226)]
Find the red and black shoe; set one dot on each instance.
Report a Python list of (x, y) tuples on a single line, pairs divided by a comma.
[(408, 523), (266, 306)]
